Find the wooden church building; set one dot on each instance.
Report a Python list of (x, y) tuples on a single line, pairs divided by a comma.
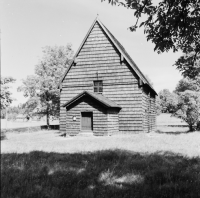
[(103, 92)]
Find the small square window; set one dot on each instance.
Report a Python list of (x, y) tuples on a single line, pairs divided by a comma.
[(96, 83), (98, 86), (95, 89), (100, 89), (100, 83)]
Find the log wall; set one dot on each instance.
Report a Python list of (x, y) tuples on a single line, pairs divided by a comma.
[(113, 121), (148, 109), (86, 105), (99, 59)]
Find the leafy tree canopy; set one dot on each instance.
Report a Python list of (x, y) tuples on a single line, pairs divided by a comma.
[(189, 63), (158, 106), (6, 98), (12, 112), (188, 108), (170, 24), (41, 88), (167, 101), (188, 84)]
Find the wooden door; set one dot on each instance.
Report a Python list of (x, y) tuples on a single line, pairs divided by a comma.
[(86, 121)]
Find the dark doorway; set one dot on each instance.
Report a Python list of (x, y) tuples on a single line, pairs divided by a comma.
[(87, 121)]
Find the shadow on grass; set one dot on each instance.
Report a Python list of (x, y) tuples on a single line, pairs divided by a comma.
[(51, 127), (108, 173)]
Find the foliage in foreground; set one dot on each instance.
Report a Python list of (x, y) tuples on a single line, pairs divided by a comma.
[(100, 174), (170, 24)]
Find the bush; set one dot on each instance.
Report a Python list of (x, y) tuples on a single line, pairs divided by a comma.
[(188, 108)]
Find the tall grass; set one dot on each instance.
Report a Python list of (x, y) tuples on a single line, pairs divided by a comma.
[(100, 174)]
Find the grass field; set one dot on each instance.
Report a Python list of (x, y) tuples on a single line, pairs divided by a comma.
[(51, 141), (21, 124), (45, 164), (163, 119), (167, 119)]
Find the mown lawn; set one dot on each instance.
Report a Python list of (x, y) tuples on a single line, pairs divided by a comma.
[(176, 141), (108, 173)]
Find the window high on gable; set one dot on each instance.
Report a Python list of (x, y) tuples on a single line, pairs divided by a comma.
[(98, 86)]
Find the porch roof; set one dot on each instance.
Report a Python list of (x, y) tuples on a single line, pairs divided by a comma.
[(98, 97)]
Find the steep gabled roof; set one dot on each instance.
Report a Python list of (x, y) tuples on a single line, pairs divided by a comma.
[(120, 49), (98, 97)]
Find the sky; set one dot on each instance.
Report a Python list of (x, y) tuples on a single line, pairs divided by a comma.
[(29, 25)]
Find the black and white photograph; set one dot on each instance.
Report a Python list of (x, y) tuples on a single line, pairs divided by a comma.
[(100, 98)]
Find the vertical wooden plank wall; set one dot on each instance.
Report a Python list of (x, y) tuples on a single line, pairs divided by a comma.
[(99, 60)]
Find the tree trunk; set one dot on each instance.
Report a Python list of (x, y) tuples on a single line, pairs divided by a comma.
[(191, 127), (198, 126), (48, 125)]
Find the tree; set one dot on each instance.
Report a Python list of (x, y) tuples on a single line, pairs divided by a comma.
[(189, 63), (188, 108), (41, 88), (172, 24), (158, 106), (168, 101), (188, 84), (13, 112), (6, 98)]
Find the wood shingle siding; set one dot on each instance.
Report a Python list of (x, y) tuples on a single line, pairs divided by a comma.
[(149, 112), (105, 114), (113, 122), (99, 58), (86, 105)]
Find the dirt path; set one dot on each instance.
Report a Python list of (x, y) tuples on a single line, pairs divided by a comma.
[(50, 141)]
